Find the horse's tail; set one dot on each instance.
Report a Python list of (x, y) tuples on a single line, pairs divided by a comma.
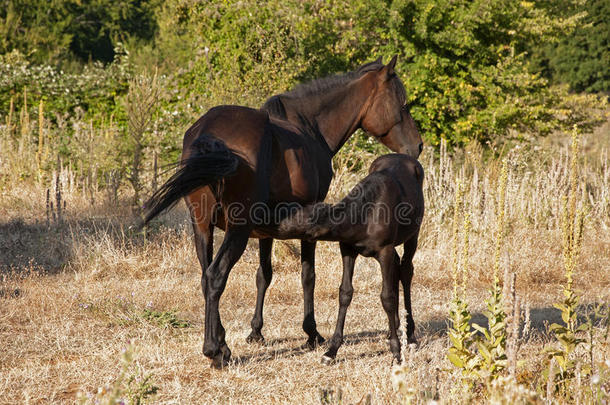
[(210, 161)]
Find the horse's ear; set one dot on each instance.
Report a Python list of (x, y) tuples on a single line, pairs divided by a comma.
[(379, 60), (391, 65), (388, 70)]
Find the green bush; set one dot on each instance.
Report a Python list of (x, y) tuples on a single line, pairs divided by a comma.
[(96, 89), (57, 31)]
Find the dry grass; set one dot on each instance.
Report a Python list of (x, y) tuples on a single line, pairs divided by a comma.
[(74, 294)]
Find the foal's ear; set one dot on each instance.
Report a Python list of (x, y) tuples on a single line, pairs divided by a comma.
[(388, 70), (379, 60)]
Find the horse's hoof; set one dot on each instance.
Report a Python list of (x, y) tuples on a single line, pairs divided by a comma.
[(327, 360), (313, 342), (255, 338), (219, 361)]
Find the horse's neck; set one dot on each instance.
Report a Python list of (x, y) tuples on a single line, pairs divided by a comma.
[(336, 116)]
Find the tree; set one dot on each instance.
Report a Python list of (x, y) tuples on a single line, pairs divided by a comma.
[(582, 58), (53, 31)]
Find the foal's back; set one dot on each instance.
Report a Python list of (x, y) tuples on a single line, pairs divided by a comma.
[(407, 176), (394, 206)]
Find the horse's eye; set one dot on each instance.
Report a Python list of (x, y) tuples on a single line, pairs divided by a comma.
[(421, 147)]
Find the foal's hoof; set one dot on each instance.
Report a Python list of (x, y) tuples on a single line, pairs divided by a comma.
[(313, 342), (219, 361), (255, 337)]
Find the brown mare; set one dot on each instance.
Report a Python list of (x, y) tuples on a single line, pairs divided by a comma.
[(383, 210), (236, 158)]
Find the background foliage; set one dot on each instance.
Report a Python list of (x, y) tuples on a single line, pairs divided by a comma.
[(582, 58)]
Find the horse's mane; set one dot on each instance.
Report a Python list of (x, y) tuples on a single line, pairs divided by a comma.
[(325, 85), (329, 83)]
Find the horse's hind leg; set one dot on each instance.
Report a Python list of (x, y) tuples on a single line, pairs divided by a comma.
[(346, 292), (233, 246), (263, 279), (201, 204), (308, 281), (204, 244), (406, 275)]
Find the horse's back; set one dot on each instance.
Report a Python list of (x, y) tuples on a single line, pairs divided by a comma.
[(242, 129)]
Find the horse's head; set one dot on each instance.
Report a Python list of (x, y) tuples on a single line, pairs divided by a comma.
[(387, 118), (386, 98), (404, 136)]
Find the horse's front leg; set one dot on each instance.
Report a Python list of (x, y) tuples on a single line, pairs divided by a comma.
[(233, 246), (263, 279), (346, 291), (308, 281)]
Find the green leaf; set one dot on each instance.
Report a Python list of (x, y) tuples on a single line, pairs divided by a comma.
[(456, 341), (455, 360)]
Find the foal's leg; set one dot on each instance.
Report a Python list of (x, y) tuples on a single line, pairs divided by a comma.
[(263, 279), (406, 275), (308, 281), (346, 292), (233, 246), (389, 262)]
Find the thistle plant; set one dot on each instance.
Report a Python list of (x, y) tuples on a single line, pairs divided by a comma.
[(460, 333), (572, 225), (492, 347), (131, 386)]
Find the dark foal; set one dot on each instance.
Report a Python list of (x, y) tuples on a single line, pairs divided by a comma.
[(384, 210)]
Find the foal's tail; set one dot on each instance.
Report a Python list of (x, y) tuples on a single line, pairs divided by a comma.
[(210, 161)]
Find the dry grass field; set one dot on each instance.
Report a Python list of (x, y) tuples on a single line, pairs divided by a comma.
[(89, 310)]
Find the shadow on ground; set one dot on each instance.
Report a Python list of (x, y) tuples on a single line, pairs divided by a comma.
[(47, 247), (427, 331)]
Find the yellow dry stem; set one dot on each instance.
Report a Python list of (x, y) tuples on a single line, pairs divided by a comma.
[(459, 191), (500, 215), (465, 255), (40, 134), (572, 221), (9, 118)]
